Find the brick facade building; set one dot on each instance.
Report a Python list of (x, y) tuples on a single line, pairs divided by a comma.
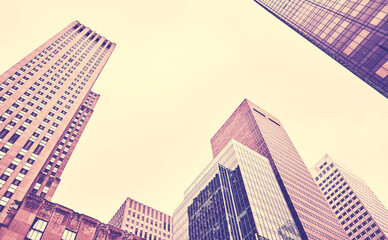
[(36, 218)]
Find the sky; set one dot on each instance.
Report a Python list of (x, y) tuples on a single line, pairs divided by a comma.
[(179, 70)]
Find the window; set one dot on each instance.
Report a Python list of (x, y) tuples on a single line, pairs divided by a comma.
[(68, 235), (37, 229), (3, 133), (38, 149)]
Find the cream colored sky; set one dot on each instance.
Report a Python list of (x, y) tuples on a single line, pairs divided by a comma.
[(178, 72)]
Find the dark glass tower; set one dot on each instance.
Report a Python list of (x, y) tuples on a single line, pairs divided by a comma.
[(235, 197), (353, 32)]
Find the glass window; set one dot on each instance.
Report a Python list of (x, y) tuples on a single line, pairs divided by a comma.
[(37, 229), (68, 235)]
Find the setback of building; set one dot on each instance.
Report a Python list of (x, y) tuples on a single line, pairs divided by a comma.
[(46, 102)]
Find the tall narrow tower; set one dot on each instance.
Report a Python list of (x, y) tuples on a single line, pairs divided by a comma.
[(354, 33), (263, 133), (46, 101), (359, 211)]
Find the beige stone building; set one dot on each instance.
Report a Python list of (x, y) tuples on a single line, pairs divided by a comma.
[(142, 220), (357, 208)]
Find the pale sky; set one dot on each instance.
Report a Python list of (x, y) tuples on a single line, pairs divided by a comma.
[(179, 70)]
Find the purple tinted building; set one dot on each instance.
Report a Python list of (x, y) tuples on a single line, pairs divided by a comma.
[(45, 103), (144, 221), (262, 132), (360, 212), (353, 32)]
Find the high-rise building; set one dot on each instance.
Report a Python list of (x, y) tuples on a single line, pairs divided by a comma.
[(143, 221), (236, 196), (46, 101), (354, 33), (263, 133), (359, 211)]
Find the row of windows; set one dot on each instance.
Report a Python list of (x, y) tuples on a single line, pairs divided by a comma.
[(294, 173), (38, 228), (261, 145), (372, 236), (8, 194), (45, 87), (364, 232), (364, 57), (43, 142), (324, 171), (38, 109), (310, 201), (326, 180), (38, 184), (149, 236), (314, 209), (341, 201), (319, 233), (332, 191), (317, 217), (335, 190), (40, 93), (151, 222), (32, 72), (146, 231), (348, 210), (59, 153), (28, 105), (35, 59), (263, 150), (361, 224)]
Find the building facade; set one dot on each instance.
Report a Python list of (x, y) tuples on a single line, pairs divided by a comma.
[(236, 196), (264, 133), (359, 211), (142, 220), (354, 33), (46, 102), (38, 219)]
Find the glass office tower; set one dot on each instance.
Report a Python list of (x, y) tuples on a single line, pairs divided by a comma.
[(358, 209), (353, 32), (264, 133), (235, 197), (45, 104)]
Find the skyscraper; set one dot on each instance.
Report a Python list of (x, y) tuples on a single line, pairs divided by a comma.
[(354, 33), (235, 197), (143, 221), (46, 101), (359, 211), (263, 133)]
